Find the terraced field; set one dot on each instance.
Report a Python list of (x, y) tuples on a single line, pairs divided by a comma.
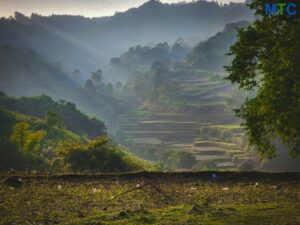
[(211, 133)]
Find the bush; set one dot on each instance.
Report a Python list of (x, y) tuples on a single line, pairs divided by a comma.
[(97, 155), (25, 140), (181, 159)]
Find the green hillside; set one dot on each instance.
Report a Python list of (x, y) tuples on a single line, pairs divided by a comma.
[(140, 58), (11, 157), (9, 118), (210, 54), (46, 143), (72, 118)]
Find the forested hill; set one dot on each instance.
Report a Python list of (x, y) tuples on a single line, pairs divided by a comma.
[(94, 41), (210, 54), (140, 58), (70, 116), (39, 133)]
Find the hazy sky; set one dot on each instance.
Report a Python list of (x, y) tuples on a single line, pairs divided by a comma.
[(89, 8)]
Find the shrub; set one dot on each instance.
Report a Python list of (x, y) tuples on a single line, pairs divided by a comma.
[(97, 155), (26, 141), (181, 159)]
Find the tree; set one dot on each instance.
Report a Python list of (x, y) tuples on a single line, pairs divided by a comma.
[(19, 135), (53, 119), (266, 58), (32, 144), (89, 85), (96, 77), (26, 141)]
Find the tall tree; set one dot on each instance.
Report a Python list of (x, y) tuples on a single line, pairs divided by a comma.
[(19, 135), (266, 58)]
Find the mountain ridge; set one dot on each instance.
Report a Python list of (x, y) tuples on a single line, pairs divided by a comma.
[(65, 38)]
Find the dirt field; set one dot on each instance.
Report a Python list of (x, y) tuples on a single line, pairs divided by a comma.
[(152, 198)]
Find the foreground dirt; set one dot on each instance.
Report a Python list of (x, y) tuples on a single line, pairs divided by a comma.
[(152, 198)]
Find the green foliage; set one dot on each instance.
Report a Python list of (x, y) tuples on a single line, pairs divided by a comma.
[(52, 119), (209, 55), (140, 58), (97, 155), (161, 166), (21, 138), (266, 59), (18, 137), (140, 84), (6, 121), (19, 146), (56, 114), (154, 88), (28, 142), (163, 89), (54, 134), (181, 159), (32, 144)]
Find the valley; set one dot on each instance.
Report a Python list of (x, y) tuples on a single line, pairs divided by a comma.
[(204, 125), (170, 112)]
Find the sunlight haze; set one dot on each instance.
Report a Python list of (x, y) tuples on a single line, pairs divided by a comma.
[(88, 8)]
